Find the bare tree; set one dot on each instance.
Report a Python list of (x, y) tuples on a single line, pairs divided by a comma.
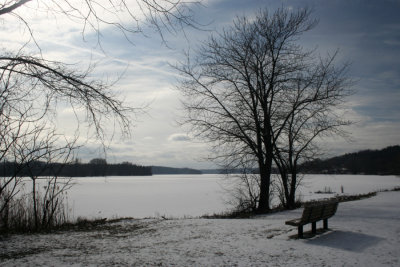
[(31, 87), (26, 143), (28, 149), (312, 111), (242, 86)]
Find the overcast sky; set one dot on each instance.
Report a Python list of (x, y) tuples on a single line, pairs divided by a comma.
[(367, 33)]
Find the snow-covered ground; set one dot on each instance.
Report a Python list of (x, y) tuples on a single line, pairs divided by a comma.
[(363, 233)]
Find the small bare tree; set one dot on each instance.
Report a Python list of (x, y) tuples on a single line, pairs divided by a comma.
[(26, 144), (243, 188), (248, 89), (30, 152)]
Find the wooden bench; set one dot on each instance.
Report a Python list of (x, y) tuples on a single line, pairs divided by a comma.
[(312, 213)]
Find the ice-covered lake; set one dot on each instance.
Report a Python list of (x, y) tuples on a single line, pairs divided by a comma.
[(190, 195)]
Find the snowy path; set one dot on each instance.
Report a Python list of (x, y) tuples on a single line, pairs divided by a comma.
[(364, 233)]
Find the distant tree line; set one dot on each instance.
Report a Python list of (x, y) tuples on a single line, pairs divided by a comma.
[(169, 170), (96, 167), (375, 162)]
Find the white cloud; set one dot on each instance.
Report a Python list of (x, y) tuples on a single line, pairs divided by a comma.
[(179, 137)]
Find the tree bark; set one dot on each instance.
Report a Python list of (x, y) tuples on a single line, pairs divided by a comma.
[(265, 184)]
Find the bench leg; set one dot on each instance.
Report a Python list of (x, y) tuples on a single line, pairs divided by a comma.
[(300, 231), (314, 227), (325, 224)]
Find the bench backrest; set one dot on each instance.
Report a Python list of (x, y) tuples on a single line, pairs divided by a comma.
[(318, 211), (330, 210)]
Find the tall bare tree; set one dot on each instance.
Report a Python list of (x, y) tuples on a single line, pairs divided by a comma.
[(242, 85)]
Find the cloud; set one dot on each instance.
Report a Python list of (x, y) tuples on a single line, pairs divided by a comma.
[(179, 137)]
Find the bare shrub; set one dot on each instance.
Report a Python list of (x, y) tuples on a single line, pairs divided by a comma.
[(50, 209)]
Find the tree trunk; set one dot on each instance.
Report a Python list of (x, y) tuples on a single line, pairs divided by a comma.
[(263, 205), (35, 213), (265, 182), (292, 195), (285, 185)]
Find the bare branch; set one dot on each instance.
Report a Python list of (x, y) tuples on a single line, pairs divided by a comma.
[(8, 7)]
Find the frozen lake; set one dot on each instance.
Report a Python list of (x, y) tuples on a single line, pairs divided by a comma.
[(190, 195), (147, 196)]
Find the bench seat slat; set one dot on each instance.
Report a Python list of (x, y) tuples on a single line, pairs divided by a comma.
[(295, 222)]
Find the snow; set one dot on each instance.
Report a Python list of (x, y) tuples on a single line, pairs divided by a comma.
[(191, 195), (363, 233), (148, 196)]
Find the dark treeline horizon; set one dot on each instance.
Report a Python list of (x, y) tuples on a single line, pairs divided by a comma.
[(385, 161), (74, 169), (371, 162)]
